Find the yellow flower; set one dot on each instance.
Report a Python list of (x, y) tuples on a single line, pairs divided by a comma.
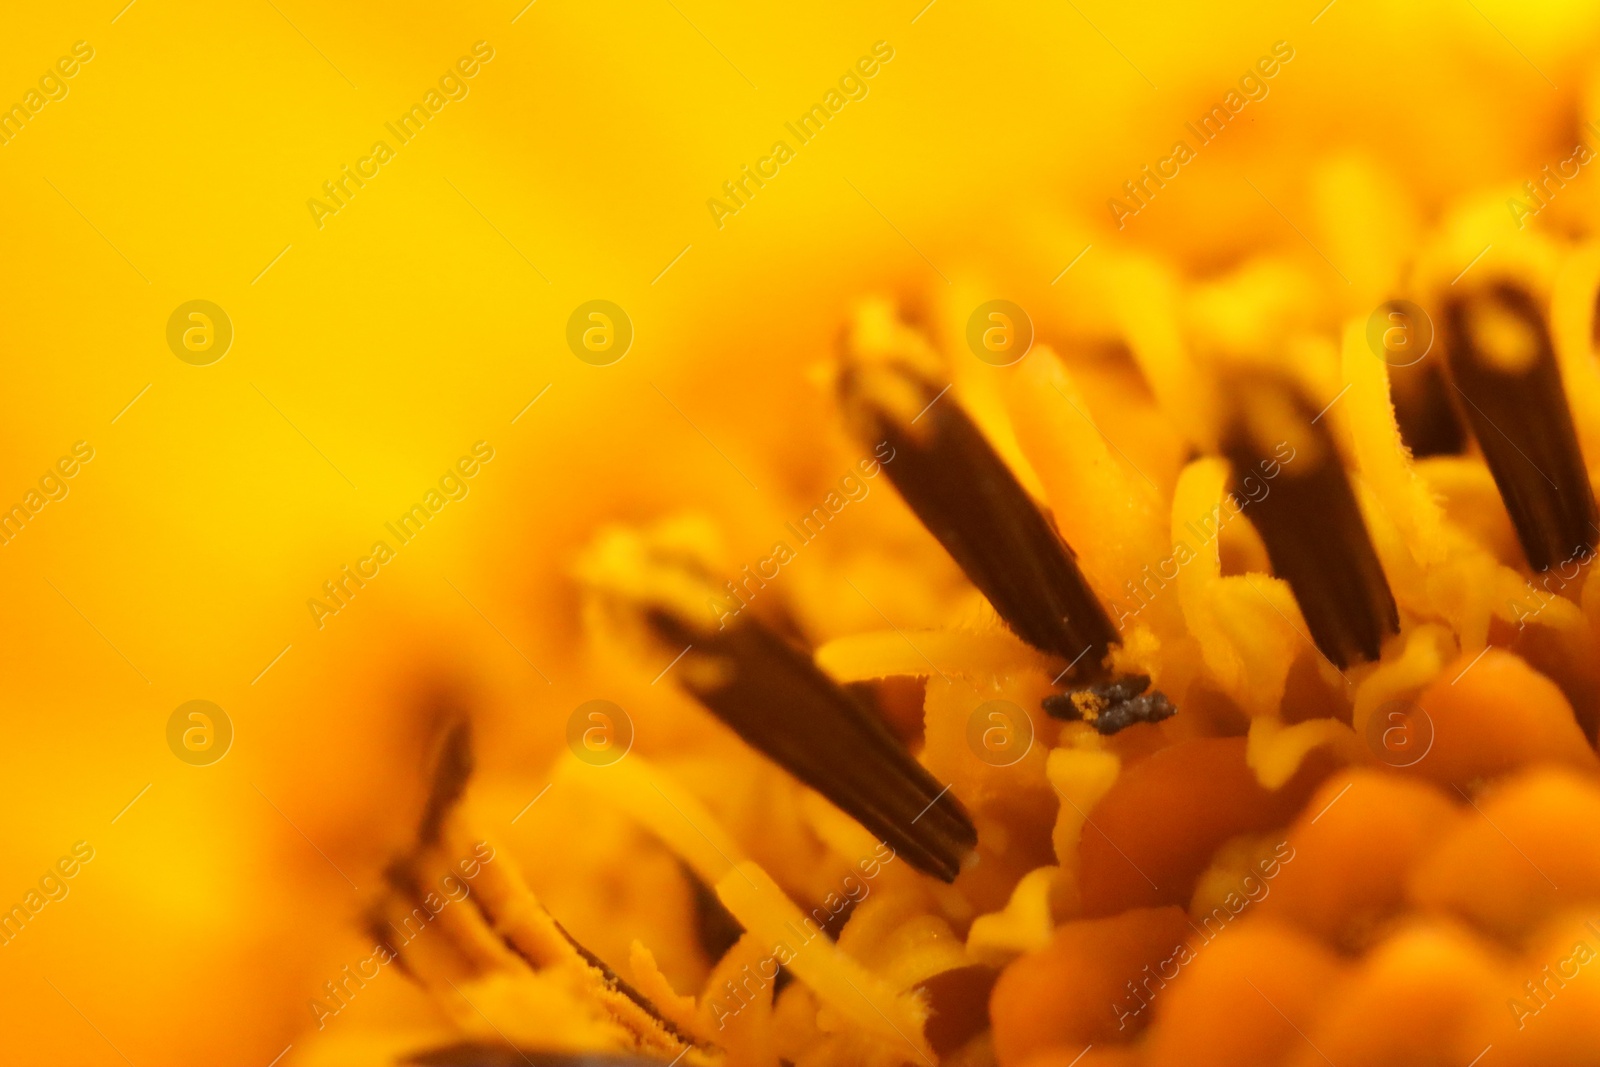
[(870, 774)]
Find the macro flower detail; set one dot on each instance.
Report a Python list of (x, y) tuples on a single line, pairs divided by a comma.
[(1251, 840), (1095, 567)]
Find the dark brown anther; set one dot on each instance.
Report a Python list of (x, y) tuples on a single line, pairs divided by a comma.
[(773, 696), (1403, 336), (1429, 423), (1288, 479), (611, 979), (452, 766), (967, 497), (715, 927), (1503, 367)]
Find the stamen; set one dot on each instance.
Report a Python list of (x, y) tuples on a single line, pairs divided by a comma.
[(772, 695), (612, 980), (1427, 418), (452, 766), (953, 480), (1503, 366), (832, 926), (1288, 478)]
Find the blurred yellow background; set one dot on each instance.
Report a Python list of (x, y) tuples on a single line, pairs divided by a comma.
[(373, 347)]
